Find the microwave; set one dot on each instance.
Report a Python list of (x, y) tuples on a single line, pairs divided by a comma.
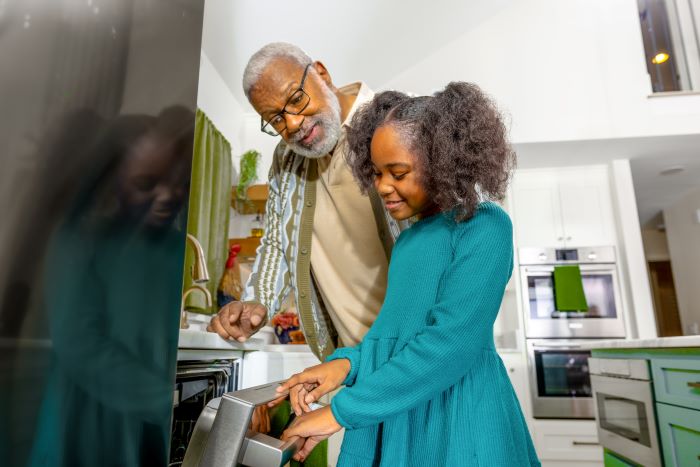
[(604, 317), (624, 408)]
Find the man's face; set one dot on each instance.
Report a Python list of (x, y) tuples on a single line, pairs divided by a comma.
[(314, 132)]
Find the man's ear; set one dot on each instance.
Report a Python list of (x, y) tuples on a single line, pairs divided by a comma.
[(323, 72)]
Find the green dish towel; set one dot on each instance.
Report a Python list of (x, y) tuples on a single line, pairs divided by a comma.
[(568, 289), (279, 420)]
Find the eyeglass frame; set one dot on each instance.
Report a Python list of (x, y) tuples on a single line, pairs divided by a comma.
[(264, 124)]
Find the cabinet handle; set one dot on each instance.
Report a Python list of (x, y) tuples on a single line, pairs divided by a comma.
[(694, 385), (559, 239), (568, 238), (585, 443)]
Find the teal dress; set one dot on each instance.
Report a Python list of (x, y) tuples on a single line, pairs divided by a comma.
[(426, 386)]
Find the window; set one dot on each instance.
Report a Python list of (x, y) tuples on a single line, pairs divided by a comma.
[(671, 49)]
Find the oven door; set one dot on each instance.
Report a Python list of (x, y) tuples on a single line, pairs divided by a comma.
[(604, 315), (559, 380), (625, 416)]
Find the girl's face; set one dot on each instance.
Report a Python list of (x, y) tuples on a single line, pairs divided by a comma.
[(397, 177)]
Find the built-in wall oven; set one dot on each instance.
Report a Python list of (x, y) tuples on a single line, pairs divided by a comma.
[(558, 365), (560, 383), (624, 405), (603, 319)]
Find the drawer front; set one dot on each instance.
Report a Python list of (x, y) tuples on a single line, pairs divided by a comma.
[(567, 441), (677, 382), (679, 430), (610, 459)]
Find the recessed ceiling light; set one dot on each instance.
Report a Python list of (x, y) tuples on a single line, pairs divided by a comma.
[(674, 169), (660, 58)]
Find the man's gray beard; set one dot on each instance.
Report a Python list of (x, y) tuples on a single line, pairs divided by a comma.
[(330, 123)]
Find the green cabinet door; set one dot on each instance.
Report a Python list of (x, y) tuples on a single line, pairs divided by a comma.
[(679, 429), (612, 459), (677, 381)]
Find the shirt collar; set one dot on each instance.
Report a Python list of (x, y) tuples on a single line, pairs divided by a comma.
[(364, 95)]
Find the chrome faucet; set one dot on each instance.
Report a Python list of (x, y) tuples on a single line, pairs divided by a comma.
[(207, 299), (200, 275), (199, 271)]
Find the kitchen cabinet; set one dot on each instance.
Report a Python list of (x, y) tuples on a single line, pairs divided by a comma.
[(563, 207), (679, 429), (611, 459), (571, 443), (675, 374)]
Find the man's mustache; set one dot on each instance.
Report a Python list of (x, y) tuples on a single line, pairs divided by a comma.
[(303, 130)]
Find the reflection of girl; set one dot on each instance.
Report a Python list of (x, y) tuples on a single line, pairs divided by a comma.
[(426, 386), (114, 277)]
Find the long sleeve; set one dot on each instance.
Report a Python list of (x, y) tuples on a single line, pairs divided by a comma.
[(460, 327), (270, 280), (352, 354)]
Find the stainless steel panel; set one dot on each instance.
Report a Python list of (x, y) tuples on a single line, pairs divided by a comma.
[(633, 390), (222, 438), (98, 114), (260, 450), (571, 327), (620, 368), (555, 407), (586, 255)]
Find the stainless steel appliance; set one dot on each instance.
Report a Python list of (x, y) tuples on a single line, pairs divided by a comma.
[(221, 436), (99, 101), (197, 383), (559, 381), (624, 406), (603, 319)]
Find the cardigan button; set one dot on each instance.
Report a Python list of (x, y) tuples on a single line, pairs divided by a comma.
[(302, 295), (309, 203), (304, 251)]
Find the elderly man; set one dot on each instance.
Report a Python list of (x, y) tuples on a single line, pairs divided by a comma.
[(324, 241)]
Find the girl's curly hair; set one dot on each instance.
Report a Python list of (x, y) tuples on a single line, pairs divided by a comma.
[(457, 135)]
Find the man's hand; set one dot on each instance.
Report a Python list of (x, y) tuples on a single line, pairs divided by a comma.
[(315, 427), (238, 320), (313, 383)]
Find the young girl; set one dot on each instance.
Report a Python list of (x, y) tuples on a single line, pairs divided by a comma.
[(426, 387)]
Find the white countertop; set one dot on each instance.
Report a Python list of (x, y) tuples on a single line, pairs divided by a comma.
[(656, 343), (196, 339)]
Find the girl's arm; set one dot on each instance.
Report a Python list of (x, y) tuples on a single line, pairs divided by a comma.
[(461, 327), (352, 354)]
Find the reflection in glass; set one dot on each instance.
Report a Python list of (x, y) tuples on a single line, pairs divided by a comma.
[(598, 288), (96, 135), (626, 417), (563, 373)]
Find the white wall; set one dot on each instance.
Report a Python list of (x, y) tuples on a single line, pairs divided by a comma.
[(683, 232), (655, 245), (564, 70), (634, 281)]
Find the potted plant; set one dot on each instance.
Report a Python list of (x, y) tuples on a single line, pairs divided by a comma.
[(248, 174)]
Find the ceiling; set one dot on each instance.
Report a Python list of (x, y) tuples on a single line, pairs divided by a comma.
[(338, 33)]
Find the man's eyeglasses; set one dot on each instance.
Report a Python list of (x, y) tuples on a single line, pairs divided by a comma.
[(295, 105)]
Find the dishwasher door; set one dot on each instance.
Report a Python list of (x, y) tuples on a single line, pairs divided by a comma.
[(222, 437)]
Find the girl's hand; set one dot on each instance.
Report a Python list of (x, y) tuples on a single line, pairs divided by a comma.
[(313, 383), (315, 426)]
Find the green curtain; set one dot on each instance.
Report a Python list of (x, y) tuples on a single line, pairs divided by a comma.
[(209, 207)]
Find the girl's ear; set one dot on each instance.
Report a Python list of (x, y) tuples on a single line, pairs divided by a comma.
[(323, 72)]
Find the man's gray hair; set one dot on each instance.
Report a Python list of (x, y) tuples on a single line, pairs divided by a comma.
[(261, 58)]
